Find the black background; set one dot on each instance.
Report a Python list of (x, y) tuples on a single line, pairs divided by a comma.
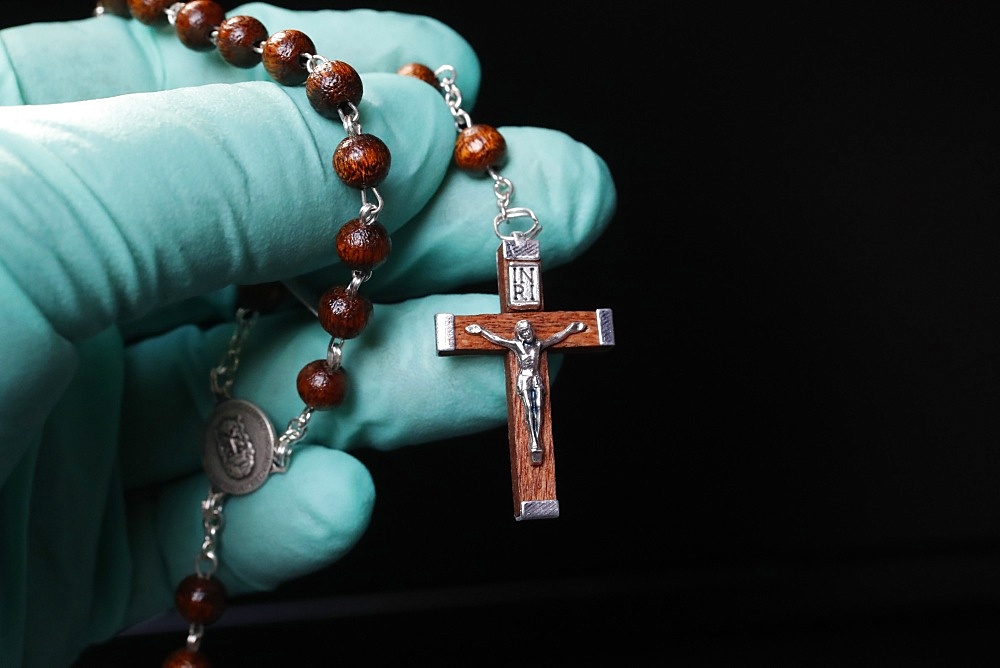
[(790, 457)]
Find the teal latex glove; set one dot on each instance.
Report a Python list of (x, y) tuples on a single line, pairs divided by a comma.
[(163, 177)]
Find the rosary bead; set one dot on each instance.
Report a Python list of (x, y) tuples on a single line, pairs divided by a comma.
[(321, 387), (342, 314), (261, 297), (200, 600), (332, 84), (238, 38), (363, 246), (419, 71), (362, 161), (185, 658), (150, 12), (479, 147), (282, 56), (195, 22)]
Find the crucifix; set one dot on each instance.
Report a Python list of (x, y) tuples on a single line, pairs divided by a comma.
[(525, 332)]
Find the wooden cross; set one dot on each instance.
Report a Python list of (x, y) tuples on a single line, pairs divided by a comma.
[(529, 429)]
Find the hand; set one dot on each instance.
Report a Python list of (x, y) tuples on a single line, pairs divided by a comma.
[(473, 329), (129, 214)]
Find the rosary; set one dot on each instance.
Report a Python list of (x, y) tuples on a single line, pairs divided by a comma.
[(241, 448)]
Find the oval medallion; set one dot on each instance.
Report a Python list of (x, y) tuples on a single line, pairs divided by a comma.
[(238, 446)]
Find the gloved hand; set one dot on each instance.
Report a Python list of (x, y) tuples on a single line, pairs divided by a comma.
[(164, 177)]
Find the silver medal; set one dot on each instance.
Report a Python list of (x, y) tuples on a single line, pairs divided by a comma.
[(238, 447)]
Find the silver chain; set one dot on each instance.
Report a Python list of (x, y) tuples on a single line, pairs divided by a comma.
[(172, 11), (195, 633), (222, 376), (294, 432), (207, 561), (446, 76), (212, 521)]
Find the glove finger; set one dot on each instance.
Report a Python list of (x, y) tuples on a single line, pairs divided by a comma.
[(64, 545), (400, 392), (126, 56), (241, 191), (294, 524)]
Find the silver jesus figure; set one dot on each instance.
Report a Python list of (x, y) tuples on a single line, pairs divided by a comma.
[(527, 349)]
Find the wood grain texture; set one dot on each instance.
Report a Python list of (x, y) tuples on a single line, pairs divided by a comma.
[(529, 482), (532, 480)]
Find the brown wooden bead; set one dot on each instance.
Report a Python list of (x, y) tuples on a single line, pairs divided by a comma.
[(419, 71), (195, 22), (321, 387), (478, 147), (200, 600), (238, 37), (116, 7), (185, 658), (150, 12), (362, 161), (282, 56), (342, 314), (363, 246), (331, 85), (261, 297)]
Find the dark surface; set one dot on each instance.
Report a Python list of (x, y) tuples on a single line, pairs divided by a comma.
[(790, 457)]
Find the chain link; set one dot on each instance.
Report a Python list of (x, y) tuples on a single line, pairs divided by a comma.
[(294, 432), (452, 96), (222, 377), (195, 633), (212, 521), (172, 11)]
